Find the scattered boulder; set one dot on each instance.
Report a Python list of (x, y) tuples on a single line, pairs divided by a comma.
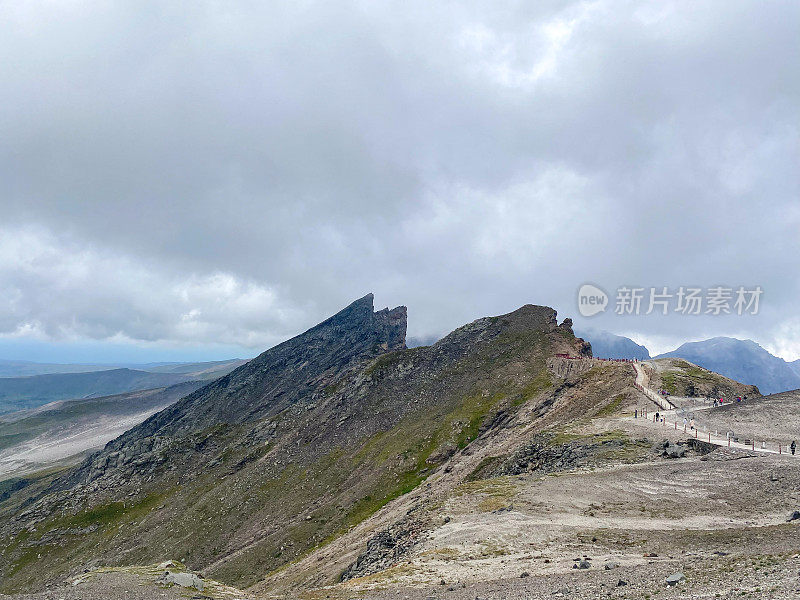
[(186, 580), (676, 578), (674, 451), (384, 548), (584, 564), (793, 516), (701, 447), (621, 583), (610, 565)]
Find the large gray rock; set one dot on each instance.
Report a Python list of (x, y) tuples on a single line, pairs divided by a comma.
[(187, 580), (793, 516), (674, 451), (675, 578)]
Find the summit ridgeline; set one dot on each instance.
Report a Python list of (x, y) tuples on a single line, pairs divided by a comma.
[(295, 447)]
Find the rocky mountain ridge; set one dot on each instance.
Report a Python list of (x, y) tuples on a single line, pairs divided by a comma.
[(341, 463), (294, 447)]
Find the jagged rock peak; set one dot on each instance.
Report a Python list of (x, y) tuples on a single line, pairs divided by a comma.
[(389, 325)]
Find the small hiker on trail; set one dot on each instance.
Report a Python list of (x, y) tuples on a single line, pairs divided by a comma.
[(657, 420), (635, 413), (793, 446)]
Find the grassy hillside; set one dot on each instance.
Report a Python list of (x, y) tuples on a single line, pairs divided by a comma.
[(681, 378), (261, 485)]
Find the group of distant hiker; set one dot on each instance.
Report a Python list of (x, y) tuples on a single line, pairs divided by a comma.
[(721, 401)]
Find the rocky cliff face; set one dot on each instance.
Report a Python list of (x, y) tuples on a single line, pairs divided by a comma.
[(290, 372), (295, 371), (289, 450)]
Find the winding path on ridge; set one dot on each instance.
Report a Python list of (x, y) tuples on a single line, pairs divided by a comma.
[(673, 418)]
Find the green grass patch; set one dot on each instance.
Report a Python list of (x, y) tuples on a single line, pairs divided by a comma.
[(540, 383), (486, 466), (612, 407), (668, 382), (562, 437)]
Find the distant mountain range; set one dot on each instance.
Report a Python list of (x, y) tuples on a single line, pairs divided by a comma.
[(62, 432), (795, 366), (20, 393), (31, 391), (742, 360), (608, 345), (25, 368)]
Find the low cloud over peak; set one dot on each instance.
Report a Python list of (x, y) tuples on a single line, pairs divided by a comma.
[(217, 173)]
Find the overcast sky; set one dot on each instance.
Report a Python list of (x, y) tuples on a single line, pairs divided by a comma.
[(205, 179)]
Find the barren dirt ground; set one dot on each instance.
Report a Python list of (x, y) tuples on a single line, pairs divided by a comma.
[(701, 517), (67, 446)]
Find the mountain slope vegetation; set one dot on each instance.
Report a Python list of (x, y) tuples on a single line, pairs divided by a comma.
[(342, 464), (290, 450)]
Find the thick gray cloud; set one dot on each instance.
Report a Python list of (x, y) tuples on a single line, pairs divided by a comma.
[(233, 172)]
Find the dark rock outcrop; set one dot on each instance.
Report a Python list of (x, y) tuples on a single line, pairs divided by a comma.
[(385, 548)]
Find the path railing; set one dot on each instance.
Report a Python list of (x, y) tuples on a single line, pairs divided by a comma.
[(664, 403), (668, 422), (668, 419)]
